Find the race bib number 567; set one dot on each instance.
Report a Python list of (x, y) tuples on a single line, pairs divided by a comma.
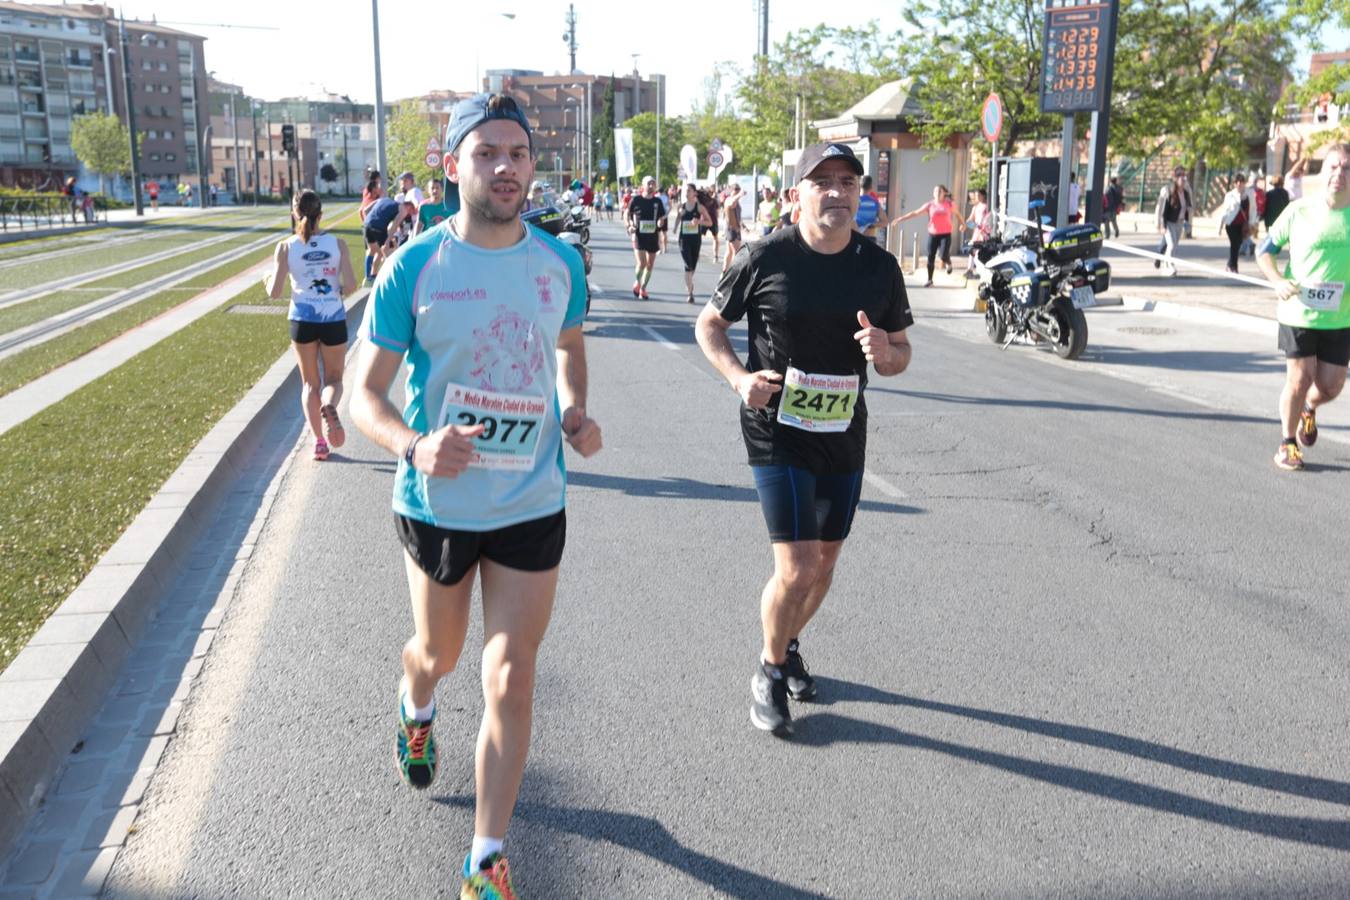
[(511, 425), (1325, 295)]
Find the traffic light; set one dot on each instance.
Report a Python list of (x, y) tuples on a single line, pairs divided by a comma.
[(288, 139)]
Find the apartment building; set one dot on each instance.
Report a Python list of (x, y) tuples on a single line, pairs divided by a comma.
[(168, 91), (567, 135), (58, 62), (53, 67)]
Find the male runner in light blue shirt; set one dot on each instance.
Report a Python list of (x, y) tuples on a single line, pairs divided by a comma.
[(486, 312)]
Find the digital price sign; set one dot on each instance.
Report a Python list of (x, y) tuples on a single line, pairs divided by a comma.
[(1077, 44)]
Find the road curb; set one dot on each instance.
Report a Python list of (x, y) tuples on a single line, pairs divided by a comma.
[(52, 690), (1204, 314)]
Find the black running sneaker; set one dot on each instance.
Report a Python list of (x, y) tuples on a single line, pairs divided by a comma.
[(769, 711), (800, 685)]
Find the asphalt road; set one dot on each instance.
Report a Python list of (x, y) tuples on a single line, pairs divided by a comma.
[(1084, 641)]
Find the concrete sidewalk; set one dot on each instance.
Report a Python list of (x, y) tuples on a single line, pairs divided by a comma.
[(1200, 284)]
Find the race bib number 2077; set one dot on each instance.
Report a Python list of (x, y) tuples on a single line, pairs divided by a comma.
[(511, 425)]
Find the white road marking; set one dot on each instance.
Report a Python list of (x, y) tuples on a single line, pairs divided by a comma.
[(883, 485), (659, 339)]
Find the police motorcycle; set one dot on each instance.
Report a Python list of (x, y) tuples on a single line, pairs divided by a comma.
[(1036, 286), (553, 220), (578, 222)]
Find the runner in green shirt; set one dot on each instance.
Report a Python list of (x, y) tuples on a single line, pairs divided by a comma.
[(1314, 311), (434, 209)]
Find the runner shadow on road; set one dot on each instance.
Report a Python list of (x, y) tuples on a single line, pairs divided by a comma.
[(688, 489), (824, 729), (648, 836), (1231, 362), (1073, 406)]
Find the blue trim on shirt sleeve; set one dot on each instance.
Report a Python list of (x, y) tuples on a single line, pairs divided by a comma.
[(1268, 245)]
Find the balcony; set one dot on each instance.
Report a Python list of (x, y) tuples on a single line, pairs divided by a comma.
[(79, 62), (27, 56)]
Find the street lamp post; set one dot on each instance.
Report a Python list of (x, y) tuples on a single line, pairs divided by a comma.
[(203, 190), (568, 108), (234, 128), (253, 108), (271, 158), (131, 118), (379, 95)]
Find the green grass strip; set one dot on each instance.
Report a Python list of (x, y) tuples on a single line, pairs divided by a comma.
[(23, 367), (107, 448), (22, 314), (37, 271)]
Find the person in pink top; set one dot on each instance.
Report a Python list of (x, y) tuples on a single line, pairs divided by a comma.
[(944, 219)]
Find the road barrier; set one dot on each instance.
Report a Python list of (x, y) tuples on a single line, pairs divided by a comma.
[(48, 210)]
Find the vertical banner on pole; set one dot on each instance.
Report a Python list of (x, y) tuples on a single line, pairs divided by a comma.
[(623, 152), (689, 162)]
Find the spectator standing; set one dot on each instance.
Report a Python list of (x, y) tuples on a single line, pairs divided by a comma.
[(1237, 214), (1170, 215), (869, 210), (1113, 203), (1277, 198)]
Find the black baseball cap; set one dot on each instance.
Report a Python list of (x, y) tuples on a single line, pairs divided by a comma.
[(476, 110), (816, 154)]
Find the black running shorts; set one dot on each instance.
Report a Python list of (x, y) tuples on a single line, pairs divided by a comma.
[(448, 555), (330, 334), (1329, 345), (376, 235), (801, 506), (648, 243)]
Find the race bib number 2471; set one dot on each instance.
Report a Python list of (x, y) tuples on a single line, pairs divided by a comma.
[(817, 402)]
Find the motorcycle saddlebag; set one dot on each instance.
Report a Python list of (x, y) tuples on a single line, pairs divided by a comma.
[(1064, 245), (1099, 274), (546, 218), (1028, 289)]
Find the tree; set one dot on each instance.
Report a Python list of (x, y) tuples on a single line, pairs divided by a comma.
[(1202, 74), (830, 69), (644, 146), (1332, 83), (102, 143), (329, 175), (407, 132), (607, 126)]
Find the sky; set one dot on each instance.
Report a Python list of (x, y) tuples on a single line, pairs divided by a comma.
[(328, 46)]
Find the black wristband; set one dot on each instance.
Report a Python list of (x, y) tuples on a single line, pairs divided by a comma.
[(412, 445)]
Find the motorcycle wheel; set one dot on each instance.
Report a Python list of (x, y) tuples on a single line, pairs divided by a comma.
[(1071, 326), (995, 323), (585, 235)]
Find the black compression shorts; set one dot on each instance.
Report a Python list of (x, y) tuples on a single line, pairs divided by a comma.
[(801, 506), (690, 245)]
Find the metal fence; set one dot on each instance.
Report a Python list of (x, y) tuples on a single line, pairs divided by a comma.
[(27, 211)]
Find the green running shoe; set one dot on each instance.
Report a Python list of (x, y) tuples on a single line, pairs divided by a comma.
[(415, 750), (492, 881)]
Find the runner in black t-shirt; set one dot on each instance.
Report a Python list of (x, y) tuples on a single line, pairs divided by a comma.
[(646, 217), (810, 294)]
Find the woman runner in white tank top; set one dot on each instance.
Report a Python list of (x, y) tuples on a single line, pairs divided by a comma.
[(320, 274)]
